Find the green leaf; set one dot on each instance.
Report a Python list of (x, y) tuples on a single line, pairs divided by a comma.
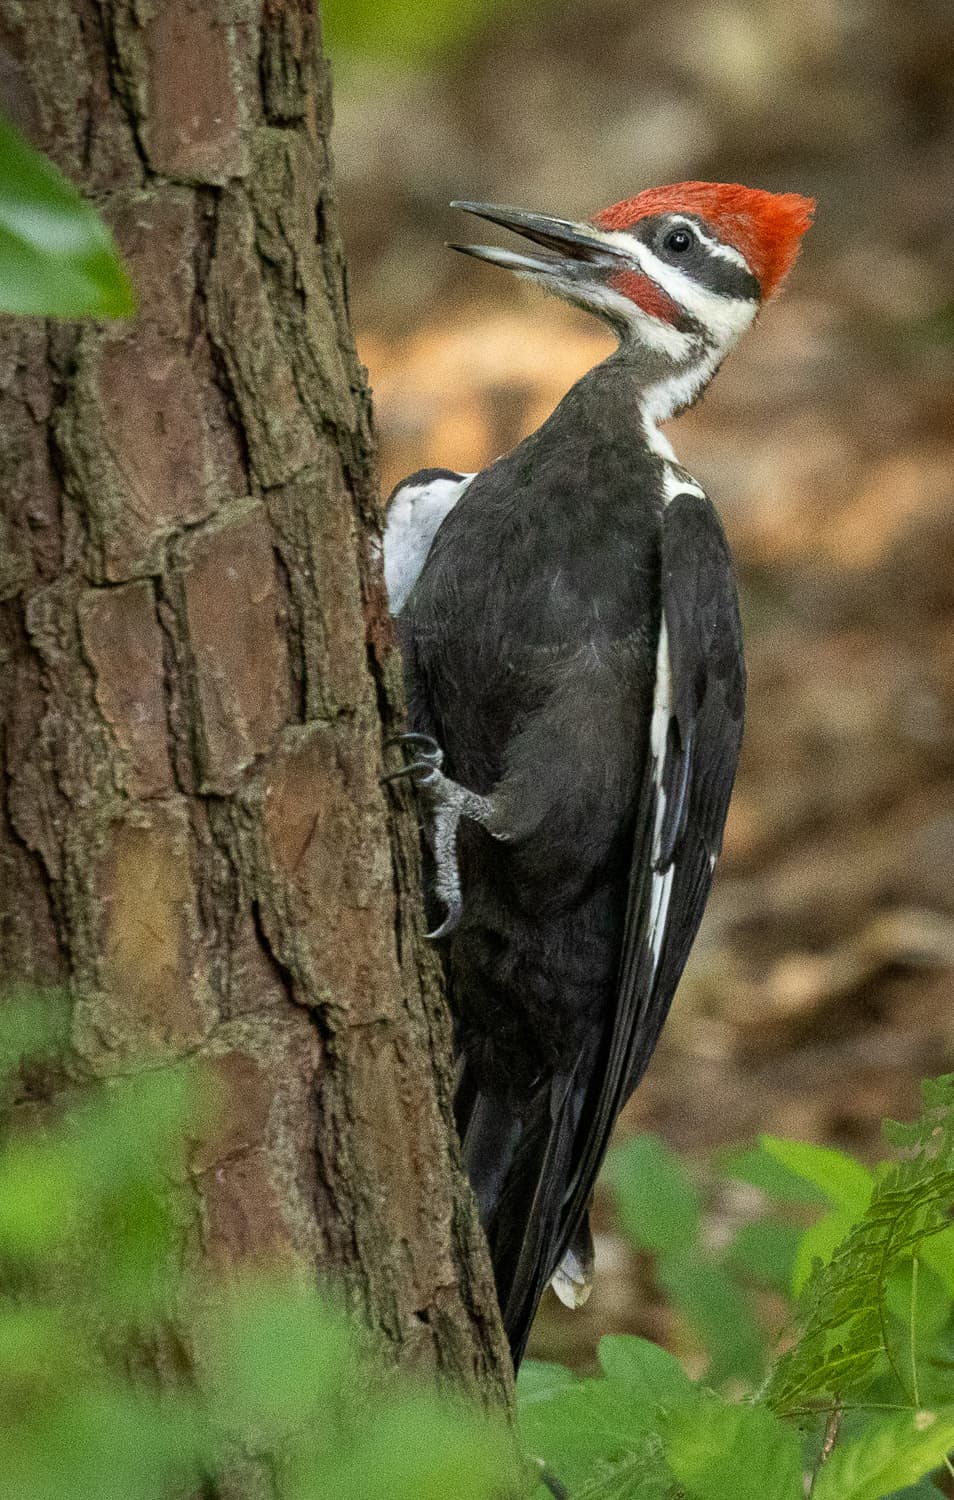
[(765, 1251), (890, 1454), (923, 1490), (586, 1424), (643, 1475), (593, 1433), (96, 1440), (32, 1022), (936, 1093), (723, 1452), (57, 258), (657, 1201), (845, 1182), (717, 1311), (764, 1171), (931, 1303), (31, 1335), (938, 1253), (819, 1242), (539, 1379), (655, 1376), (421, 1449), (277, 1357), (40, 1199), (844, 1312)]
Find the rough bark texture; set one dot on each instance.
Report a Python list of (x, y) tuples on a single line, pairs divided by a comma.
[(197, 661)]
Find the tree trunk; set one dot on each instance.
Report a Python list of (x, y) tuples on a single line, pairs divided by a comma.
[(198, 659)]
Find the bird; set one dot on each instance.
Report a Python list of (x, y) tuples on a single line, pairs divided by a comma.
[(575, 679)]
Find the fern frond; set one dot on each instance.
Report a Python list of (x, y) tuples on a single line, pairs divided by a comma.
[(844, 1317)]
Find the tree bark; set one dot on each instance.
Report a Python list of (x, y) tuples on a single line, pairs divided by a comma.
[(198, 663)]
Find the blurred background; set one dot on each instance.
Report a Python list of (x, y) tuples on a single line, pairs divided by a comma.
[(820, 989)]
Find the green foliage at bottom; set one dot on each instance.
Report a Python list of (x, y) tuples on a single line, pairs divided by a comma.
[(860, 1403), (272, 1378), (267, 1375)]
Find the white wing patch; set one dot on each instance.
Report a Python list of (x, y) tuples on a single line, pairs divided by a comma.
[(677, 482), (661, 889), (413, 517)]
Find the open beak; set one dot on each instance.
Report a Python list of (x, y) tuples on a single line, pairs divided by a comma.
[(574, 246)]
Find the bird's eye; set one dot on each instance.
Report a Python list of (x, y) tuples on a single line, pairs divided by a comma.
[(678, 241)]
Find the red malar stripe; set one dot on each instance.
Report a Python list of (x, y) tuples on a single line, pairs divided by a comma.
[(647, 295)]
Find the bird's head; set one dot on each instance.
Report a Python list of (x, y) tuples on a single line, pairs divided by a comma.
[(680, 271)]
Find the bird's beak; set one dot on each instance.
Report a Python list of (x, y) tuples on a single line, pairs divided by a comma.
[(574, 245)]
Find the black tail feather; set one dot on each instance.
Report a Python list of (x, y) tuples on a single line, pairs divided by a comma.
[(520, 1167)]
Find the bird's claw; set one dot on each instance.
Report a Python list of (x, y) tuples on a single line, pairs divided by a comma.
[(455, 909), (421, 769), (428, 759), (411, 737), (445, 798)]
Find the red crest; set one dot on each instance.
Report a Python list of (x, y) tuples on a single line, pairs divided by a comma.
[(765, 227)]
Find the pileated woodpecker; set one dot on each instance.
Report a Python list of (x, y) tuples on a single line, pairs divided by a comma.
[(576, 686)]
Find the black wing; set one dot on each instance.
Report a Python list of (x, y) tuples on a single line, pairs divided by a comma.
[(696, 734)]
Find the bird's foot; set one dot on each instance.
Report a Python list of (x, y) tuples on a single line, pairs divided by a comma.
[(425, 763), (449, 802)]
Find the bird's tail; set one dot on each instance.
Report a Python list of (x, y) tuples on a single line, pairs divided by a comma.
[(521, 1169)]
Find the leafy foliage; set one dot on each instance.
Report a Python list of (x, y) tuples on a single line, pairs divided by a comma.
[(845, 1184), (732, 1452), (275, 1379), (592, 1432), (660, 1210), (57, 258), (846, 1327), (861, 1401), (890, 1454), (93, 1297)]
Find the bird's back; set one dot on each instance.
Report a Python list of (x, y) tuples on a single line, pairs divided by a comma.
[(544, 574)]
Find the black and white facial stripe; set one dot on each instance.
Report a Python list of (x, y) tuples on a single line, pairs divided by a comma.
[(718, 297), (684, 242), (716, 294)]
